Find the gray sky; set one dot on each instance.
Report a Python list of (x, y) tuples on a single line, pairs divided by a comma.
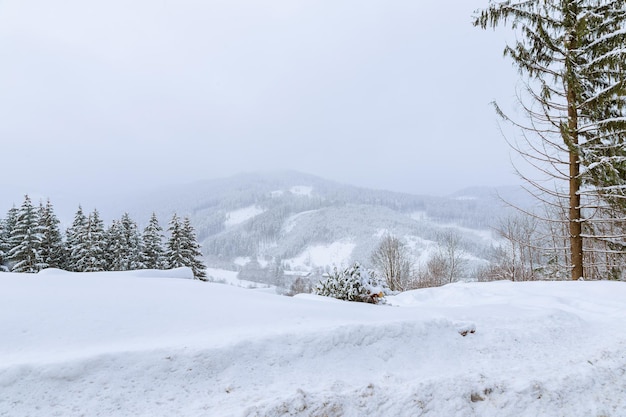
[(387, 94)]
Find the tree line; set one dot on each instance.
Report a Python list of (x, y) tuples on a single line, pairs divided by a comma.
[(31, 240)]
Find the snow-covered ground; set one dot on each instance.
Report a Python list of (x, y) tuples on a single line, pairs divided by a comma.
[(119, 344), (304, 190), (242, 215), (224, 276), (336, 254)]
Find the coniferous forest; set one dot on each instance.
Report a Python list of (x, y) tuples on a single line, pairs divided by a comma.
[(31, 240)]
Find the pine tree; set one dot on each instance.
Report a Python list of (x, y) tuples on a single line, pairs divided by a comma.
[(175, 256), (192, 248), (183, 248), (91, 255), (124, 245), (574, 54), (153, 254), (25, 240), (3, 253), (52, 248), (75, 240), (114, 248), (8, 223)]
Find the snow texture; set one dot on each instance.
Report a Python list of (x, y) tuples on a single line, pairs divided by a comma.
[(303, 190), (337, 253), (242, 215), (104, 344)]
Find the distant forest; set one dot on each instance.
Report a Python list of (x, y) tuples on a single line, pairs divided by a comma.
[(31, 240)]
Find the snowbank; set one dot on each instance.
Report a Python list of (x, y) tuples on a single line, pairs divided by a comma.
[(121, 345), (182, 272)]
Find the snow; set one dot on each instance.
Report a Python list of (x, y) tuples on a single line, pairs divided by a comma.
[(242, 215), (75, 344), (225, 276), (303, 190), (337, 253), (419, 216), (292, 220)]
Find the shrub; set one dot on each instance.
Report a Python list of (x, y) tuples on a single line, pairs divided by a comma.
[(352, 284)]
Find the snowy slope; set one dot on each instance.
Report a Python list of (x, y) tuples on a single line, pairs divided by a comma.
[(124, 345)]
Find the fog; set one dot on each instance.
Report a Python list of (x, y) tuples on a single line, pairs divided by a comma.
[(101, 96)]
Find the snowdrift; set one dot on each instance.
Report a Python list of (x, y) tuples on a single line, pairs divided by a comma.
[(118, 344)]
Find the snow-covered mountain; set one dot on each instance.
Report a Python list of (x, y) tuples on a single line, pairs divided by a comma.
[(307, 222), (302, 221)]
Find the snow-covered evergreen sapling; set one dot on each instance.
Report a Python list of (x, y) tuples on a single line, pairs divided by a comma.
[(353, 284)]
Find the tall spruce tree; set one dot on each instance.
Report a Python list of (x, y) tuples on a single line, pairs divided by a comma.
[(183, 248), (574, 55), (8, 223), (75, 235), (52, 247), (192, 249), (25, 239), (153, 253), (91, 257), (3, 253), (124, 245), (114, 254), (175, 256)]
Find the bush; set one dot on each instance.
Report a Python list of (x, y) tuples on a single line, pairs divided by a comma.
[(353, 284)]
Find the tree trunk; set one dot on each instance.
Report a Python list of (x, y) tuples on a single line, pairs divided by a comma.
[(575, 218)]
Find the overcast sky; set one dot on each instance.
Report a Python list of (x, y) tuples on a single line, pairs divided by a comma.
[(389, 94)]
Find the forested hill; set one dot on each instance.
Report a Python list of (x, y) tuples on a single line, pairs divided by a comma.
[(281, 215)]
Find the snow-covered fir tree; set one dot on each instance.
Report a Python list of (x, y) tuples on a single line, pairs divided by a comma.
[(7, 225), (153, 253), (193, 250), (74, 240), (25, 240), (183, 248), (124, 245), (174, 255), (114, 252), (52, 248), (91, 255), (2, 251)]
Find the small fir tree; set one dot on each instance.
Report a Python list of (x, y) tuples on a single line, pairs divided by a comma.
[(183, 248), (52, 248), (91, 257), (174, 255), (124, 245), (114, 248), (75, 240), (153, 254), (192, 248), (25, 240), (7, 226)]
